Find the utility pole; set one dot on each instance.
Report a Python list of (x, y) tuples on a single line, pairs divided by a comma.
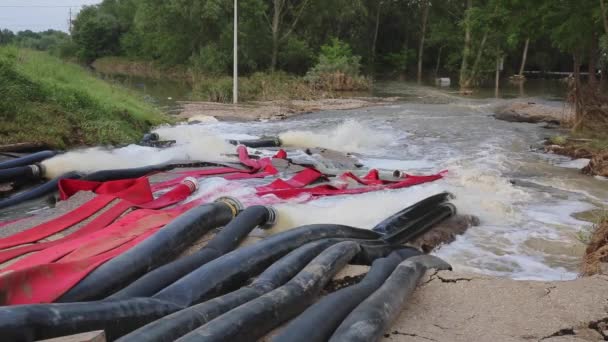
[(235, 76), (70, 22)]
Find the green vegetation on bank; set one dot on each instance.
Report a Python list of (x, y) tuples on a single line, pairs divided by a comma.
[(337, 70), (47, 100)]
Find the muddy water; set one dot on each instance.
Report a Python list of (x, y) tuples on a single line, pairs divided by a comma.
[(527, 230)]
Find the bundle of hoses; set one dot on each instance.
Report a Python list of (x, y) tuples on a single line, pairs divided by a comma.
[(205, 278), (37, 171)]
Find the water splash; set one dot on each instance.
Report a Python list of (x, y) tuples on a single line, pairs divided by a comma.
[(350, 136), (193, 143)]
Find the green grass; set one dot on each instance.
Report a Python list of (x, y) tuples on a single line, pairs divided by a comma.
[(47, 100)]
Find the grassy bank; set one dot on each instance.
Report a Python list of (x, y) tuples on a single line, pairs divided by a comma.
[(47, 100), (278, 86)]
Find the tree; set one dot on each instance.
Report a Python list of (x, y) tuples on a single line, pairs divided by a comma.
[(6, 37), (426, 4), (282, 9), (96, 33)]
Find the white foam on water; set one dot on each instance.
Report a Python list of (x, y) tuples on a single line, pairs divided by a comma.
[(575, 164), (349, 136), (393, 164), (203, 119), (192, 143), (362, 211)]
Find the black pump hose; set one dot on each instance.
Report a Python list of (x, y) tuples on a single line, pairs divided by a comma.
[(27, 160), (20, 173), (107, 175), (421, 225), (254, 319), (37, 192), (397, 221), (171, 327), (230, 271), (319, 321), (264, 142), (153, 252), (118, 317), (380, 309), (99, 176), (225, 241)]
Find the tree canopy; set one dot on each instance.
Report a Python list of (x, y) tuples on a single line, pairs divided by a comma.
[(461, 38)]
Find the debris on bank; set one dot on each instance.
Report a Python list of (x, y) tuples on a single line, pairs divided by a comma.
[(596, 255), (531, 112)]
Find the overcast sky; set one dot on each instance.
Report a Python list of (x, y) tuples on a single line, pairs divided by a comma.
[(39, 15)]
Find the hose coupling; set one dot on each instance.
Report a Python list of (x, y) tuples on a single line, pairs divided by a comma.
[(235, 205)]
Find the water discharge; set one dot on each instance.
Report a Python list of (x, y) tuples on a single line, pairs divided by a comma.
[(350, 136), (527, 230), (193, 143)]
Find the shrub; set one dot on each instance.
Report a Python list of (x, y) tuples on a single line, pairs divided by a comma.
[(337, 69)]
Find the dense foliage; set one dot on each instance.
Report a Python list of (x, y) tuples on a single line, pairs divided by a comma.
[(465, 39)]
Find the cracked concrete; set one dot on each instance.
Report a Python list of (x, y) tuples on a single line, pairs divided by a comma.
[(452, 306)]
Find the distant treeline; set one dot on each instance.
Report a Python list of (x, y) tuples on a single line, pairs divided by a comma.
[(468, 39)]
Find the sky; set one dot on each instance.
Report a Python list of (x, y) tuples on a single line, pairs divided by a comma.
[(39, 15)]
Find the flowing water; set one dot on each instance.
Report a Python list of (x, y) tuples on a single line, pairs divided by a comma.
[(527, 230)]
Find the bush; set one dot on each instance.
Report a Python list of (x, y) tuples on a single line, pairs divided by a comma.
[(257, 87), (210, 61), (337, 69)]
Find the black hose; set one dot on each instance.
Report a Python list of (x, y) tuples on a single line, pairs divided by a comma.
[(372, 250), (421, 225), (37, 192), (226, 273), (150, 137), (320, 321), (254, 319), (27, 160), (264, 142), (379, 310), (107, 175), (223, 242), (43, 321), (230, 271), (175, 325), (20, 174), (155, 251), (403, 218)]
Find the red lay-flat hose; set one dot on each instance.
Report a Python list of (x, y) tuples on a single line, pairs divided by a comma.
[(47, 282), (178, 194)]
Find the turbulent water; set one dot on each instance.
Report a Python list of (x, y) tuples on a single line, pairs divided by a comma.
[(527, 231)]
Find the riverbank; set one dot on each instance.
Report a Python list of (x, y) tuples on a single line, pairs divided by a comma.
[(58, 104), (256, 87)]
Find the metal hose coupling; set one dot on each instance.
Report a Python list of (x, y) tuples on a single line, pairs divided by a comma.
[(191, 183), (273, 216), (399, 174), (150, 137), (451, 207), (235, 205), (37, 170)]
